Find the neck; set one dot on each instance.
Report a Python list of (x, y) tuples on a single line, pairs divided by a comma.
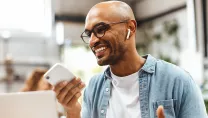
[(128, 65)]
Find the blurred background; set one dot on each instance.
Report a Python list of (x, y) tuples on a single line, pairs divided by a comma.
[(39, 33)]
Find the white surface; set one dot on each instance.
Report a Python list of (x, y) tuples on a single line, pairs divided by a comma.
[(124, 101), (193, 63), (28, 105), (37, 17)]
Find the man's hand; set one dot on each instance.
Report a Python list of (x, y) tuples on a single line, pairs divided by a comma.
[(68, 94), (160, 112)]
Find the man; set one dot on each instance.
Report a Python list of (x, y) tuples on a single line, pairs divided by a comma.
[(132, 86)]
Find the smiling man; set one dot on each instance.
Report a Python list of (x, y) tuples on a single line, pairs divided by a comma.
[(132, 86)]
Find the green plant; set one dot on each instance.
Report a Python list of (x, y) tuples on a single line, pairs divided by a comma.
[(206, 104), (161, 33)]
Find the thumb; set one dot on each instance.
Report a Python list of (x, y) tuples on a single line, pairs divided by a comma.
[(160, 112)]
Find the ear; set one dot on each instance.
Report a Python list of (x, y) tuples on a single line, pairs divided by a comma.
[(132, 25)]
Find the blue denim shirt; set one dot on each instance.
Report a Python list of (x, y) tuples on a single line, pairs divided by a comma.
[(160, 83)]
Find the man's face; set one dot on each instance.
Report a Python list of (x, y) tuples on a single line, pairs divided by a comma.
[(110, 48)]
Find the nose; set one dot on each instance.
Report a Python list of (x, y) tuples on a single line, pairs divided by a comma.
[(93, 40)]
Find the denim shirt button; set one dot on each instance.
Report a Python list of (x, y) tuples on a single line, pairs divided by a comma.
[(107, 89), (102, 111)]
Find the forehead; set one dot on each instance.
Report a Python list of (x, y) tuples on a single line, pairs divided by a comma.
[(99, 15)]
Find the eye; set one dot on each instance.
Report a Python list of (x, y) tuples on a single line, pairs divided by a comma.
[(100, 29)]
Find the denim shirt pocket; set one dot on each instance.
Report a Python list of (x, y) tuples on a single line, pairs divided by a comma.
[(168, 106)]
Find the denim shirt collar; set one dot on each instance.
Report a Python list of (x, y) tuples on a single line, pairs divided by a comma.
[(150, 63), (149, 66)]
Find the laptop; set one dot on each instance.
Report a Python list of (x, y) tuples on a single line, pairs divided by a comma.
[(38, 104)]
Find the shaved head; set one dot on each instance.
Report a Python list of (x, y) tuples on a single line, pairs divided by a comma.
[(117, 8), (111, 10)]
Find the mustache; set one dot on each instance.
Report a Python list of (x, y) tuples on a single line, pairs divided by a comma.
[(96, 44), (101, 43)]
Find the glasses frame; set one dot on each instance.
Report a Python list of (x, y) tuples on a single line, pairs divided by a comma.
[(107, 28)]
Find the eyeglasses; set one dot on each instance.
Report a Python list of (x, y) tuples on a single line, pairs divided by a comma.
[(98, 30)]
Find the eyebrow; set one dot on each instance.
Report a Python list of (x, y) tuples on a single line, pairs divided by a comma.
[(100, 23)]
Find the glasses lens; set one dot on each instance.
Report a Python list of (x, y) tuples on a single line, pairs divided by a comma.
[(100, 30), (86, 39), (86, 36)]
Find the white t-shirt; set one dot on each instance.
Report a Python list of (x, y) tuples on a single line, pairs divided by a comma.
[(124, 101)]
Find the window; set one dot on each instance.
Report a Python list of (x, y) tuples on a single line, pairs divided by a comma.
[(26, 15)]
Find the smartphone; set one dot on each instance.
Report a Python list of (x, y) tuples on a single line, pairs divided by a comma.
[(58, 73)]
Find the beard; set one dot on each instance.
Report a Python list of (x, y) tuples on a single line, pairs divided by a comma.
[(115, 56), (110, 60)]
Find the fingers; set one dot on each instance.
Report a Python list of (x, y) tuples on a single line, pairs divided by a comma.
[(73, 95), (58, 87), (160, 112), (66, 88), (67, 92), (74, 99)]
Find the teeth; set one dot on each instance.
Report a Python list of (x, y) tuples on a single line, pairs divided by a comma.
[(99, 49)]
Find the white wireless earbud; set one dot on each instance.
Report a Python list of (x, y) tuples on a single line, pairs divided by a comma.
[(128, 34)]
